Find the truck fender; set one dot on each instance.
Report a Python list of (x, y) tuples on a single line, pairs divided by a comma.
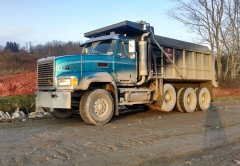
[(90, 77), (113, 87)]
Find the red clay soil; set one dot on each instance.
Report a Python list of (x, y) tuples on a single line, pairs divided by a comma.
[(20, 84), (26, 84), (221, 92)]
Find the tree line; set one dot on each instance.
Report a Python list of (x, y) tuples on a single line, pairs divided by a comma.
[(53, 48), (217, 23), (12, 46)]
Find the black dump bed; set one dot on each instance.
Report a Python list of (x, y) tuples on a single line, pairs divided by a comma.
[(135, 28)]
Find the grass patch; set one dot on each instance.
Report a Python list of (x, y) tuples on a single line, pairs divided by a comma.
[(224, 98), (11, 103)]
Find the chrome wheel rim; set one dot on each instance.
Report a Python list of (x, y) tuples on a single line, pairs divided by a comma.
[(100, 107)]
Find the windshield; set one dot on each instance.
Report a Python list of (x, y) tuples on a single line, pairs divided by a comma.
[(104, 47)]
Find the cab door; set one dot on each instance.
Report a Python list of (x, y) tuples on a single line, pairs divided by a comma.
[(126, 68)]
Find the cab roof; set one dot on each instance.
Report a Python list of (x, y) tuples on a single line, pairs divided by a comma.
[(126, 27)]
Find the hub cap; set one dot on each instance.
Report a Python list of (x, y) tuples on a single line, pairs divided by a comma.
[(100, 107), (167, 97), (188, 99)]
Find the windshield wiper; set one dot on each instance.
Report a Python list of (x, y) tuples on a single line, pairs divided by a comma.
[(95, 52)]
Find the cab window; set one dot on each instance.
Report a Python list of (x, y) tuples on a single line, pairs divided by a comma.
[(122, 49), (105, 47)]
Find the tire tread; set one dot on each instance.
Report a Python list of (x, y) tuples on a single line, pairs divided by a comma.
[(82, 108)]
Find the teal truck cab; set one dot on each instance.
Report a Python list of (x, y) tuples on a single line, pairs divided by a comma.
[(125, 64)]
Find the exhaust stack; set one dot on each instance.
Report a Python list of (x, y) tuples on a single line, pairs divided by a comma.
[(143, 58)]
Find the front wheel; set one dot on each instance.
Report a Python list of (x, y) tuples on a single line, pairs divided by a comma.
[(61, 113), (96, 107)]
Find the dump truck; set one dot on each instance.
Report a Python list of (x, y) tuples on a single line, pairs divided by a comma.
[(126, 64)]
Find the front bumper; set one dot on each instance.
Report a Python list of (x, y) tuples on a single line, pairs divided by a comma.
[(53, 99)]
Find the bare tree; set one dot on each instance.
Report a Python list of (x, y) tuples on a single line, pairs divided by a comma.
[(56, 48), (231, 39), (205, 18), (72, 47)]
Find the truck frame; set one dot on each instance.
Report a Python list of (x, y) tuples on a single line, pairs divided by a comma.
[(126, 64)]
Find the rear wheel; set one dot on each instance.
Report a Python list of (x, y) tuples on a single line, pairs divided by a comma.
[(61, 113), (169, 98), (203, 99), (96, 107), (178, 107), (188, 100)]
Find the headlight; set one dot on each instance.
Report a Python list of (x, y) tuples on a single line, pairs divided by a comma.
[(68, 82), (64, 82)]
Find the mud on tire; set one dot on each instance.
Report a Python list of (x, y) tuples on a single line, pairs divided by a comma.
[(82, 105), (96, 107), (178, 106), (188, 100), (169, 98), (203, 99)]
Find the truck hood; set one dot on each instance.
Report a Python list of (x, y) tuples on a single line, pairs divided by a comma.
[(78, 65), (69, 63)]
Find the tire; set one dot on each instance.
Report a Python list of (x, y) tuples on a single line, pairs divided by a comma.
[(188, 100), (61, 113), (97, 107), (203, 99), (169, 98), (178, 107), (82, 104)]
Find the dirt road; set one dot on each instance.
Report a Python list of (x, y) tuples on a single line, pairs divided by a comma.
[(137, 138)]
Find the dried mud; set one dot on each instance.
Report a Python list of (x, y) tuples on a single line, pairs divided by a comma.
[(134, 138)]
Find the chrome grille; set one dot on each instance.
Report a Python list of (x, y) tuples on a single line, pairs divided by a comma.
[(45, 74)]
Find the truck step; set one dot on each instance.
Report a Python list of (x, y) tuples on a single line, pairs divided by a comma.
[(134, 90), (131, 103)]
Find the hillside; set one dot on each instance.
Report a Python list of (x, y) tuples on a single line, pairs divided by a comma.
[(16, 63), (17, 73)]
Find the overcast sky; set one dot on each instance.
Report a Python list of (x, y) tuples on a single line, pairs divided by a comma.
[(41, 21)]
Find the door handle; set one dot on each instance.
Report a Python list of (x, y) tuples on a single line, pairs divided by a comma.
[(102, 65)]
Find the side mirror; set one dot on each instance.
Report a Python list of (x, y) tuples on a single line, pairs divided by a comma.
[(132, 46)]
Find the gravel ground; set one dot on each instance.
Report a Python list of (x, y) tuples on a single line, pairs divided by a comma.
[(136, 137)]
